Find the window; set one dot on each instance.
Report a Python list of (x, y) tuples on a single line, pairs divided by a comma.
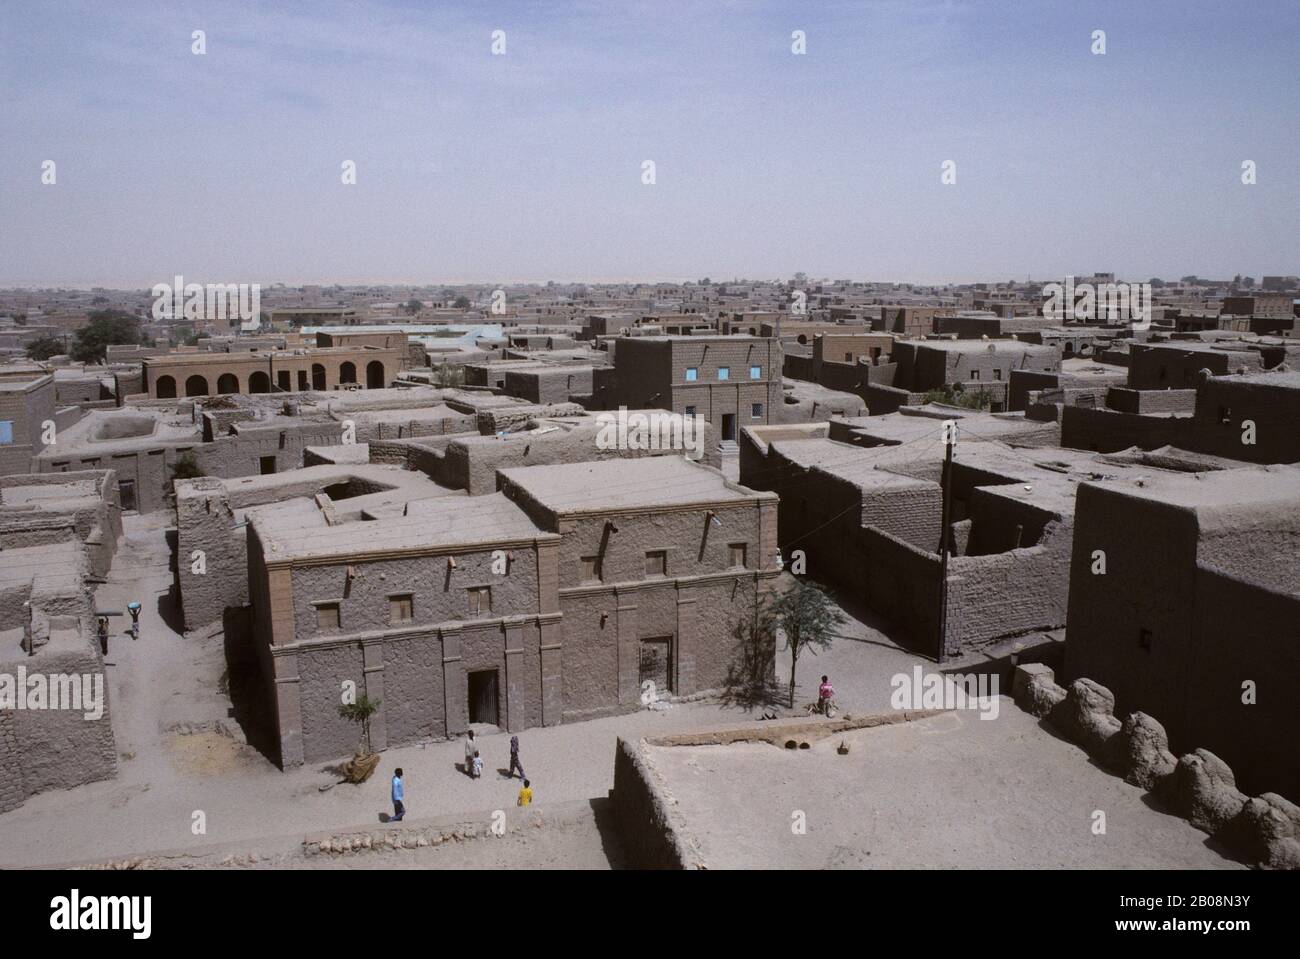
[(656, 563), (974, 374), (6, 431), (690, 411), (756, 410), (591, 569), (692, 374), (848, 357), (1225, 414), (400, 609), (724, 372), (755, 372), (1144, 639), (327, 616), (480, 600), (997, 374), (737, 555)]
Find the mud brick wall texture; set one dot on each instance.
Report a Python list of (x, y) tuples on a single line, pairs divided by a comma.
[(53, 748), (1198, 785), (649, 834)]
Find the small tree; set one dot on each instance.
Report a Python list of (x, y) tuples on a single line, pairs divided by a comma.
[(462, 303), (104, 329), (45, 347), (361, 712), (186, 467), (807, 619), (412, 307)]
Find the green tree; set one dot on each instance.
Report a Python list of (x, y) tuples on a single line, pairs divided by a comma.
[(45, 347), (412, 307), (807, 620), (186, 467), (462, 303), (955, 396), (361, 712), (104, 329)]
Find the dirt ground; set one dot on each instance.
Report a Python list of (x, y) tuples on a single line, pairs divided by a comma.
[(951, 791)]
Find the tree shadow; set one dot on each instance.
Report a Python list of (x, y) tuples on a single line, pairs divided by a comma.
[(750, 681)]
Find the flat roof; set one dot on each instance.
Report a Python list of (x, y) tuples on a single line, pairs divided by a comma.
[(634, 483), (297, 529)]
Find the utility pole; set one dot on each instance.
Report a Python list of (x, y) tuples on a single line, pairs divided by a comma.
[(949, 442)]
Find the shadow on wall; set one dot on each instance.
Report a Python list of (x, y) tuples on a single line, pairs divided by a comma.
[(249, 696), (751, 674), (169, 604)]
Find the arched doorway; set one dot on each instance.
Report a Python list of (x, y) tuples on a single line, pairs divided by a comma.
[(317, 376), (347, 373), (196, 386), (375, 375), (166, 388), (259, 382), (227, 383)]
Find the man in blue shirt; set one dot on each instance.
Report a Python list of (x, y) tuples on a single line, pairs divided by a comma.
[(399, 793)]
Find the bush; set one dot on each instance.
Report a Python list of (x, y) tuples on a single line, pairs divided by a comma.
[(186, 467)]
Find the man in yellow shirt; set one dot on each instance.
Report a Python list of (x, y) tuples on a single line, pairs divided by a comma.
[(526, 794)]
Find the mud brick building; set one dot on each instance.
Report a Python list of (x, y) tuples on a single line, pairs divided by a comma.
[(1269, 401), (550, 601), (26, 402), (57, 537), (732, 381), (1177, 365), (869, 519), (1201, 594), (274, 371), (444, 613), (660, 560)]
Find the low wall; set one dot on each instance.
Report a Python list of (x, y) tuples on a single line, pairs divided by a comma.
[(1199, 786)]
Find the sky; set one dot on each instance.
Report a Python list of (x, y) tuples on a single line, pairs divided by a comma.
[(528, 165)]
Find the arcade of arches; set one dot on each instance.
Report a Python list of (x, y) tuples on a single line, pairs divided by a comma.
[(170, 377)]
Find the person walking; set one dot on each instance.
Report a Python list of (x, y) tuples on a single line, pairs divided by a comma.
[(102, 630), (471, 748), (399, 796), (514, 759), (526, 794), (134, 609)]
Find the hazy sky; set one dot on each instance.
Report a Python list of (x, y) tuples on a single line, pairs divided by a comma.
[(473, 167)]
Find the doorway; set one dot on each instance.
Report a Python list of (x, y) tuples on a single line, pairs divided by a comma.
[(267, 464), (126, 495), (728, 426), (656, 664), (483, 706)]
